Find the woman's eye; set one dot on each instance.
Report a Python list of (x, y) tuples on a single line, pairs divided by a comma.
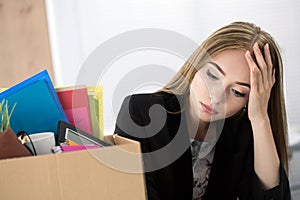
[(211, 76), (237, 93)]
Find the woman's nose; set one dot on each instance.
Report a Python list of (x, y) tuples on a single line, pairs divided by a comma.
[(217, 95)]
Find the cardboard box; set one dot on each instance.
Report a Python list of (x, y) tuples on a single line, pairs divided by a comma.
[(110, 173)]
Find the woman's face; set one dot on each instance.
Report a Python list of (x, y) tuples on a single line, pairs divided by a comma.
[(221, 87)]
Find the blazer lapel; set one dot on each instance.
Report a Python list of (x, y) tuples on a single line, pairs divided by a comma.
[(177, 130)]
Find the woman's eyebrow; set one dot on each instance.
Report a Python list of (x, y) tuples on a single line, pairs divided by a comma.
[(224, 74), (244, 84), (218, 67)]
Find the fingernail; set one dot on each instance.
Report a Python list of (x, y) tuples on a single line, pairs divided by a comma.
[(248, 54), (267, 45), (255, 46)]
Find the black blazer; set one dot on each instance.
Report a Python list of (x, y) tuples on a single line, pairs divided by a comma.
[(232, 174)]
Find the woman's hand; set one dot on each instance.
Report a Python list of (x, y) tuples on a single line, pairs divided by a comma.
[(262, 79)]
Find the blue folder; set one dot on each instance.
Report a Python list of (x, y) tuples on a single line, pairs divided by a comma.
[(38, 108)]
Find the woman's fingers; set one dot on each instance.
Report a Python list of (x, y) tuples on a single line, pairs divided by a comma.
[(261, 63), (269, 63), (255, 74)]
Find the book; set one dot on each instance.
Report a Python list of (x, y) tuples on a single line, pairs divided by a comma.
[(75, 103), (95, 97), (38, 108)]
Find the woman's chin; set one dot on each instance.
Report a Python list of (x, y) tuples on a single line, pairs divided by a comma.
[(210, 118)]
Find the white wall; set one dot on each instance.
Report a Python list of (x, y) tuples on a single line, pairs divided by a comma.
[(78, 27)]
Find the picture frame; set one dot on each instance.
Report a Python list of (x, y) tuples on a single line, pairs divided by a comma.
[(68, 132)]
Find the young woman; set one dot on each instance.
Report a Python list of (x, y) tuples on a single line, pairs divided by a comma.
[(222, 132)]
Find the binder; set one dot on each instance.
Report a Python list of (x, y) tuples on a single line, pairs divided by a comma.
[(38, 108)]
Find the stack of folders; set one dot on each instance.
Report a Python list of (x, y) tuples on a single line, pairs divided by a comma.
[(37, 107), (40, 106)]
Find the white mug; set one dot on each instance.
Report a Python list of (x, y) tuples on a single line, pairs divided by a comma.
[(42, 142)]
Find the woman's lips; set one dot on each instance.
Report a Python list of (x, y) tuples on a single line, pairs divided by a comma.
[(208, 109)]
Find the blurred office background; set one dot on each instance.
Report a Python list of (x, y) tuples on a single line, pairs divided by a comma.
[(61, 35)]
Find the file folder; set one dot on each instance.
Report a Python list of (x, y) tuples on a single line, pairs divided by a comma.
[(38, 108), (75, 103)]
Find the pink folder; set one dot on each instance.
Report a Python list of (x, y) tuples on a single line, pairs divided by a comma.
[(75, 103), (67, 148)]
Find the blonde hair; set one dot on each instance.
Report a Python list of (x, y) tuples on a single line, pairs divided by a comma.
[(240, 35)]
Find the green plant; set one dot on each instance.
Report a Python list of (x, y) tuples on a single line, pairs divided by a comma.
[(5, 115)]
